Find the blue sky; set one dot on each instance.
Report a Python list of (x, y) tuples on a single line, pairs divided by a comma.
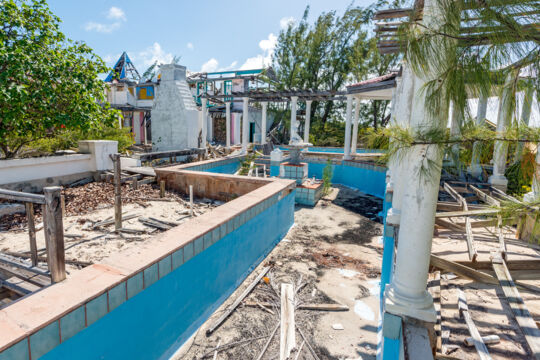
[(208, 35)]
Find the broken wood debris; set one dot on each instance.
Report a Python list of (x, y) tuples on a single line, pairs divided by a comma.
[(481, 348)]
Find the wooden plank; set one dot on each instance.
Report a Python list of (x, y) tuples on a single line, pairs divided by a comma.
[(480, 212), (314, 307), (19, 286), (261, 354), (237, 302), (168, 154), (473, 254), (287, 339), (22, 196), (32, 232), (434, 288), (481, 348), (33, 278), (510, 264), (449, 225), (111, 221), (521, 313), (493, 202), (54, 234), (142, 170), (162, 189), (452, 206), (461, 270)]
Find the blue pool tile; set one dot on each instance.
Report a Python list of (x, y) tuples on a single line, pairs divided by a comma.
[(199, 245), (178, 258), (164, 266), (216, 235), (16, 352), (222, 231), (230, 226), (117, 296), (72, 323), (96, 309), (150, 275), (188, 251), (236, 222), (44, 340), (135, 285), (207, 239)]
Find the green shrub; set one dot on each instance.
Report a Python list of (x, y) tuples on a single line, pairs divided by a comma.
[(327, 177)]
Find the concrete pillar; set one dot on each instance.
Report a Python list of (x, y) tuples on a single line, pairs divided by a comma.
[(308, 121), (525, 117), (500, 152), (237, 128), (263, 123), (245, 125), (204, 122), (228, 124), (210, 127), (475, 169), (355, 125), (348, 116), (294, 127)]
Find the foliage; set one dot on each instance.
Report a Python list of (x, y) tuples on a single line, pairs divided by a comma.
[(520, 174), (68, 139), (47, 82), (245, 165), (327, 177), (326, 55)]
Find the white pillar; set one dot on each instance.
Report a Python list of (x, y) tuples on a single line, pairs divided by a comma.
[(237, 128), (525, 117), (355, 125), (210, 127), (263, 123), (245, 126), (228, 124), (308, 121), (500, 152), (475, 170), (407, 293), (293, 136), (204, 122), (348, 116)]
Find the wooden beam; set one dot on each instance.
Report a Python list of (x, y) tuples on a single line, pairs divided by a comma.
[(22, 196), (473, 254), (461, 270), (481, 348), (54, 233), (117, 192), (486, 212), (32, 232), (434, 288), (287, 339), (452, 206), (521, 313), (493, 202)]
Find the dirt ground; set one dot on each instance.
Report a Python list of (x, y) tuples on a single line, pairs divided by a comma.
[(89, 204), (487, 303), (331, 255)]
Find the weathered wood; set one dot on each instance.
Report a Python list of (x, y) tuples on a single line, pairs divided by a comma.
[(480, 212), (521, 313), (44, 258), (18, 286), (287, 339), (26, 275), (54, 233), (265, 347), (141, 170), (237, 302), (434, 288), (481, 348), (117, 192), (162, 189), (461, 270), (112, 221), (314, 307), (191, 200), (22, 196), (473, 254), (489, 339), (32, 232), (168, 154), (449, 225), (451, 206), (155, 224), (493, 202), (165, 221), (313, 353), (520, 264), (135, 184)]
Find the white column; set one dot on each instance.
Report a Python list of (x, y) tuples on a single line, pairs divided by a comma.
[(245, 126), (263, 123), (355, 125), (407, 293), (237, 128), (204, 122), (525, 117), (500, 152), (308, 121), (475, 170), (228, 124), (210, 127), (348, 116), (294, 100)]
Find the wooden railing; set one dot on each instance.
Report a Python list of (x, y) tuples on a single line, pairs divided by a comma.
[(52, 226)]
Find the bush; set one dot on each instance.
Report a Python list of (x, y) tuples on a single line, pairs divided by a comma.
[(327, 177)]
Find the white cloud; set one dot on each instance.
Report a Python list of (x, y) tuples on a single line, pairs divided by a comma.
[(212, 65), (190, 46), (285, 22), (152, 54), (114, 13), (265, 59)]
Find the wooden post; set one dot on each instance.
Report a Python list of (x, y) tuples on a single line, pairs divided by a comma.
[(117, 192), (54, 233), (191, 200), (32, 232), (63, 204), (162, 189), (135, 184)]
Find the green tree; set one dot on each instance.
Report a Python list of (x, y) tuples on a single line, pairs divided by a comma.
[(47, 82)]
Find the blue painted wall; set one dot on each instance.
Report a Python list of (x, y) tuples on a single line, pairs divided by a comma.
[(153, 323), (225, 169)]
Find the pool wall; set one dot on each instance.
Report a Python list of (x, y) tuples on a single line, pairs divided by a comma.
[(145, 302)]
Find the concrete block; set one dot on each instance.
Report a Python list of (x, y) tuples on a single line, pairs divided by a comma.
[(391, 326), (100, 151)]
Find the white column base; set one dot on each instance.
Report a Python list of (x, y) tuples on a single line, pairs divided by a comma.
[(421, 308), (347, 157), (498, 181), (475, 170)]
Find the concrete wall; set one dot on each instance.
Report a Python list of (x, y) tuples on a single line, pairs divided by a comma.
[(32, 174), (175, 123)]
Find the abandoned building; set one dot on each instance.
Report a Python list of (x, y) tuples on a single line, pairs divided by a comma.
[(218, 243)]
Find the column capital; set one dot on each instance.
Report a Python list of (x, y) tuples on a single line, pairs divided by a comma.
[(308, 102)]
